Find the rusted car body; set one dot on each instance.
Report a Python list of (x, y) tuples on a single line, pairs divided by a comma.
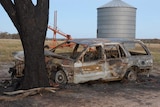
[(94, 59)]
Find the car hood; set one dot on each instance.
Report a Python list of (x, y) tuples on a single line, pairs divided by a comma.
[(19, 55)]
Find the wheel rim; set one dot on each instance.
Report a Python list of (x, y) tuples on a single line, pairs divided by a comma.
[(60, 77), (132, 76)]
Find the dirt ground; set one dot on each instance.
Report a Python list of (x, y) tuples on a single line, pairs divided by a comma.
[(143, 93)]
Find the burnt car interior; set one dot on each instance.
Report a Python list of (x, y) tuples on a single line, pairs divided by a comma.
[(93, 53), (111, 51), (114, 51)]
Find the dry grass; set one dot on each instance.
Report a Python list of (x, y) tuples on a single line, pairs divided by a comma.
[(7, 46), (155, 51)]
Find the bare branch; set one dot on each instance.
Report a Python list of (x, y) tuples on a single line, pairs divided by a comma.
[(8, 6), (42, 9), (13, 9), (24, 4), (16, 95), (10, 9)]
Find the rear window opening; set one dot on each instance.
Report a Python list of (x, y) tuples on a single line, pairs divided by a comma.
[(135, 49)]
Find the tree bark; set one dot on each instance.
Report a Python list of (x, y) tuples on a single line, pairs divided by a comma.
[(35, 72), (31, 22)]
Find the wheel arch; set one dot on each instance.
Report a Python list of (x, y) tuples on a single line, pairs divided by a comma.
[(131, 69), (58, 67), (134, 67)]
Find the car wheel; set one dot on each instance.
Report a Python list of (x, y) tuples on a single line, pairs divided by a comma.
[(60, 77), (131, 75)]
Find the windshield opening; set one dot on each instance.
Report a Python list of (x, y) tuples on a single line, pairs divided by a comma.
[(69, 49)]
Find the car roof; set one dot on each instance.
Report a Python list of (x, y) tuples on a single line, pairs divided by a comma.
[(91, 41)]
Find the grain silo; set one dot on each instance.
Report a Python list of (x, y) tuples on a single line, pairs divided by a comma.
[(116, 19)]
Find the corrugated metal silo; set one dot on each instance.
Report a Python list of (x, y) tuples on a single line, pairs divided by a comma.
[(116, 19)]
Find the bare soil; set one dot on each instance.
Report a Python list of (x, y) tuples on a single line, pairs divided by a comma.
[(143, 93)]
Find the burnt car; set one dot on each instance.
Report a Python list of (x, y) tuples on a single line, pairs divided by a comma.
[(82, 60)]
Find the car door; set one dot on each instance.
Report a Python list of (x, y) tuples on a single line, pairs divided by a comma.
[(92, 64), (116, 61)]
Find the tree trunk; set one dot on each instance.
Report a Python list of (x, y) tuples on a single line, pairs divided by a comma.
[(35, 72), (31, 22)]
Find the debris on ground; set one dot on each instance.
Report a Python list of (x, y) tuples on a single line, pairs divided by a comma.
[(20, 94)]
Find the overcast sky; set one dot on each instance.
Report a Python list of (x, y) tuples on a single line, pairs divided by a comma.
[(79, 17)]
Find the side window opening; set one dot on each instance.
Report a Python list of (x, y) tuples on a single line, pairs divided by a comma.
[(135, 49), (114, 51), (93, 53)]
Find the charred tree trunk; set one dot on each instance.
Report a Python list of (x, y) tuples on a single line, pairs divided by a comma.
[(31, 22), (35, 72)]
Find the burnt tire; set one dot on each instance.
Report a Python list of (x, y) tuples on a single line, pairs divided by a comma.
[(131, 75), (60, 77)]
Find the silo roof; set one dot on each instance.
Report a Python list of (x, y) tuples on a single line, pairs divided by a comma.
[(116, 3)]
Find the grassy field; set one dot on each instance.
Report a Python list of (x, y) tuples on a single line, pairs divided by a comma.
[(7, 46), (155, 51)]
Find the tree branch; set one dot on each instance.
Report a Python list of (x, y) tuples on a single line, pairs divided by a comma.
[(9, 7), (42, 9)]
